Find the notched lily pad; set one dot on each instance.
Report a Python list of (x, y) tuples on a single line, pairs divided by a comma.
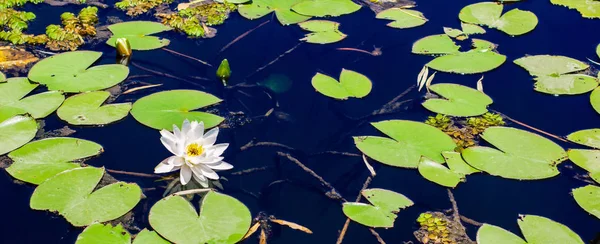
[(588, 198), (438, 173), (15, 132), (457, 100), (322, 8), (323, 31), (536, 229), (138, 34), (352, 84), (402, 18), (99, 233), (87, 109), (282, 8), (587, 9), (382, 211), (12, 101), (514, 22)]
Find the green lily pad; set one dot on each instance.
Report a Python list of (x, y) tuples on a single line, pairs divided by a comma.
[(71, 194), (103, 234), (480, 59), (15, 132), (40, 160), (438, 173), (595, 176), (322, 8), (87, 109), (588, 198), (586, 159), (553, 74), (70, 72), (2, 77), (323, 31), (402, 18), (457, 164), (409, 141), (595, 99), (589, 137), (598, 50), (471, 29), (491, 234), (537, 229), (149, 237), (457, 100), (138, 34), (282, 9), (222, 219), (233, 1), (162, 110), (38, 106), (352, 84), (514, 22), (382, 212), (520, 155), (587, 9), (451, 32)]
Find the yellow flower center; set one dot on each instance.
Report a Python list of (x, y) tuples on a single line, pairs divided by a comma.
[(194, 149)]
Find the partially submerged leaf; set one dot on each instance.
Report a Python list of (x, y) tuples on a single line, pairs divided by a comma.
[(457, 164), (38, 106), (71, 194), (352, 84), (87, 109), (588, 198), (471, 29), (587, 9), (402, 18), (589, 137), (282, 8), (491, 234), (409, 141), (99, 233), (322, 8), (40, 160), (222, 219), (382, 212), (457, 100), (438, 173), (520, 155), (15, 132), (138, 34), (323, 31), (162, 110), (71, 72), (149, 237)]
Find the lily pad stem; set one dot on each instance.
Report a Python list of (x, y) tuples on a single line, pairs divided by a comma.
[(243, 35), (186, 56), (120, 172), (192, 191), (531, 127)]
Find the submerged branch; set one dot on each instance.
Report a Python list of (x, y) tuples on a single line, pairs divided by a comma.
[(251, 170), (192, 191), (347, 223), (121, 172), (456, 215), (276, 59), (531, 127), (470, 221), (243, 35), (379, 239), (165, 75), (186, 56)]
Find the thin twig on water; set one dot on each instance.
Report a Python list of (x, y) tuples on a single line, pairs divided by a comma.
[(140, 88), (243, 35), (186, 56), (531, 127), (456, 215), (192, 191), (377, 236), (275, 60), (165, 75), (347, 223), (251, 170), (121, 172)]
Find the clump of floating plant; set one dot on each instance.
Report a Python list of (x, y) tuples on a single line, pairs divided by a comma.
[(137, 7), (434, 229), (536, 229), (13, 3), (75, 28), (465, 131), (12, 58), (194, 20), (480, 123), (13, 23)]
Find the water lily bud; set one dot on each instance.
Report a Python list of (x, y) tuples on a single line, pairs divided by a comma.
[(123, 47), (223, 72)]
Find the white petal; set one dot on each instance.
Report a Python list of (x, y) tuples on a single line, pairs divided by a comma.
[(209, 173), (185, 128), (178, 161), (222, 165), (168, 135), (217, 149), (176, 132), (185, 175), (210, 137), (196, 132), (205, 160), (171, 146), (202, 180), (166, 166)]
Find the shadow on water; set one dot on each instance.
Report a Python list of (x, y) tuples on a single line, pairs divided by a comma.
[(312, 123)]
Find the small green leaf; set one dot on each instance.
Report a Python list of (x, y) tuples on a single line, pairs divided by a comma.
[(586, 159), (103, 234), (15, 132), (439, 174), (537, 229), (38, 106), (382, 212), (352, 84), (435, 44), (471, 29), (137, 33), (457, 100), (514, 22), (87, 109), (402, 18), (323, 31), (491, 234), (71, 194), (588, 198), (322, 8), (149, 237), (40, 160)]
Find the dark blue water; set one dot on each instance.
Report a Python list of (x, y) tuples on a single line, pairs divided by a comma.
[(315, 123)]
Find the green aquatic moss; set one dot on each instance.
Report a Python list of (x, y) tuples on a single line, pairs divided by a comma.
[(137, 7), (13, 23), (480, 123), (75, 28), (5, 4), (193, 21)]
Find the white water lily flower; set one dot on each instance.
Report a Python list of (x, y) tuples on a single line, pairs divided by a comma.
[(195, 153)]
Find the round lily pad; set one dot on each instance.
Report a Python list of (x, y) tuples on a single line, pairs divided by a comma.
[(484, 13), (402, 18), (491, 234), (382, 211), (99, 233), (409, 141), (322, 8), (470, 62), (40, 160), (516, 22), (162, 110), (438, 173), (352, 84), (70, 72), (588, 198), (520, 155), (538, 229), (282, 8), (138, 34), (570, 84), (540, 65), (71, 194), (435, 44), (457, 100), (15, 132), (87, 109), (222, 219)]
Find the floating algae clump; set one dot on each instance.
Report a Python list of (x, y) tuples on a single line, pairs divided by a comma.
[(437, 228), (4, 4), (480, 123), (194, 20), (13, 23), (137, 7), (70, 36), (465, 132)]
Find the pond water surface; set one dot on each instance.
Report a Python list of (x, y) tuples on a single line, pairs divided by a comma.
[(312, 123)]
